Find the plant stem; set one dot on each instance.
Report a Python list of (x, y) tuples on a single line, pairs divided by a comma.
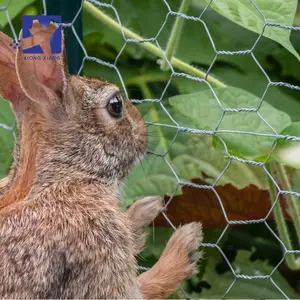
[(155, 76), (145, 89), (155, 118), (282, 229), (175, 62), (175, 35), (291, 201)]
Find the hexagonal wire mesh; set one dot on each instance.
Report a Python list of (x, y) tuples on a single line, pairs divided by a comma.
[(180, 129)]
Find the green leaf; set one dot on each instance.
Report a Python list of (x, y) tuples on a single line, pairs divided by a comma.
[(287, 151), (198, 156), (14, 8), (252, 81), (244, 13), (190, 156), (203, 109), (293, 130), (6, 137), (244, 288)]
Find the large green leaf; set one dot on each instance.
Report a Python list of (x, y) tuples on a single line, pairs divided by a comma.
[(252, 81), (244, 13), (206, 113), (14, 8), (6, 137), (244, 288), (190, 156)]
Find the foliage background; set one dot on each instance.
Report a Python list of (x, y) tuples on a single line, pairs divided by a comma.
[(251, 249)]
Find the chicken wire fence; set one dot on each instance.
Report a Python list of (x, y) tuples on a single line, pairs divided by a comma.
[(130, 39)]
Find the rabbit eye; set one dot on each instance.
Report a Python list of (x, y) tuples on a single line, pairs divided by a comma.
[(115, 107)]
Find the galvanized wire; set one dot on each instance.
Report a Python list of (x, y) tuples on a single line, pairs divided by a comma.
[(180, 129)]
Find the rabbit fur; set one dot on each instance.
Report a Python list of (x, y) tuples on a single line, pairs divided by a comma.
[(70, 226)]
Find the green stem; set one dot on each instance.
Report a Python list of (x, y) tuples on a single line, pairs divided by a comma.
[(155, 118), (150, 77), (291, 201), (175, 35), (282, 229), (145, 89), (175, 62)]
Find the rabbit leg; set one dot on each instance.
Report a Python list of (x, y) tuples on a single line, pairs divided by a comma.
[(141, 214), (177, 263)]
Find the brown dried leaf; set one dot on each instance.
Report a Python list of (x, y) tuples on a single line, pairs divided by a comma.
[(195, 204)]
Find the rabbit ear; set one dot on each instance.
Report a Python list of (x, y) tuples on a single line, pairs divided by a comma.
[(10, 88), (43, 79)]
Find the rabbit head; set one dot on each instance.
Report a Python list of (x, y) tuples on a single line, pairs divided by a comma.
[(89, 126)]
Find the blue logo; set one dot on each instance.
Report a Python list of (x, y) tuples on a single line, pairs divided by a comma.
[(54, 40)]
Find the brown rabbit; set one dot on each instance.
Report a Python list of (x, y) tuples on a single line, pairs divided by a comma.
[(188, 230), (141, 213)]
